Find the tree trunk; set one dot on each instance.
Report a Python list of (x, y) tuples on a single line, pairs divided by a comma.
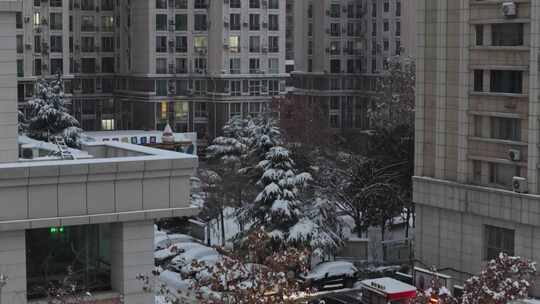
[(408, 218), (222, 226)]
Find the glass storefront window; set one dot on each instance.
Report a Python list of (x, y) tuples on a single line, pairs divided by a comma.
[(83, 249)]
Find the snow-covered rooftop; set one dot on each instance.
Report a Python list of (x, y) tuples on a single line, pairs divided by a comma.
[(388, 285)]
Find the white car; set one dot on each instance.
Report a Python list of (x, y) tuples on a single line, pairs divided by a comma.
[(196, 253), (162, 241)]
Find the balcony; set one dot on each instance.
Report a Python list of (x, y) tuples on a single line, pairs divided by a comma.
[(105, 182)]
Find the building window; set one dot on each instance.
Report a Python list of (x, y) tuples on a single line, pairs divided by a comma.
[(235, 4), (201, 23), (161, 22), (234, 22), (254, 4), (107, 124), (87, 44), (107, 44), (162, 88), (88, 86), (254, 87), (87, 24), (234, 66), (20, 47), (88, 65), (507, 34), (107, 64), (273, 87), (234, 44), (18, 20), (273, 22), (56, 44), (478, 80), (476, 171), (180, 4), (107, 23), (201, 4), (200, 110), (37, 67), (335, 47), (161, 44), (56, 21), (161, 66), (398, 28), (181, 110), (161, 4), (502, 174), (107, 5), (235, 109), (273, 44), (498, 240), (398, 9), (335, 29), (335, 10), (236, 88), (479, 29), (20, 68), (86, 5), (503, 81), (254, 22), (200, 43), (386, 6), (506, 128), (386, 26), (181, 44), (254, 44), (180, 22), (200, 65), (51, 251), (254, 65), (57, 66), (273, 65), (335, 66), (181, 66)]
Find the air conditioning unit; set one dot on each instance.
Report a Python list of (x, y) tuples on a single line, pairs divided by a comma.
[(509, 9), (26, 19), (519, 184), (514, 154), (28, 46)]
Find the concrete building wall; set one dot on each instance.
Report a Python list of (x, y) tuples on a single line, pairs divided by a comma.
[(131, 255), (13, 265), (8, 82)]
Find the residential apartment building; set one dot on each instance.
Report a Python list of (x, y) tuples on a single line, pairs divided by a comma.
[(138, 64), (92, 212), (342, 49), (477, 133)]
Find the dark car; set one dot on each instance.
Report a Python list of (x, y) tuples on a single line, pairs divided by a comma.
[(331, 276)]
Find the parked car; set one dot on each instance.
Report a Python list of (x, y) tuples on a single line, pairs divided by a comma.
[(163, 241), (330, 276), (187, 257)]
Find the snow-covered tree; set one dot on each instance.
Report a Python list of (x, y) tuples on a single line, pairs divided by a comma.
[(48, 115), (504, 279), (277, 207), (265, 135), (232, 148)]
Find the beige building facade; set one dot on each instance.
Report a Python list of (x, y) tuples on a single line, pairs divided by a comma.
[(92, 213), (342, 49), (477, 133), (139, 64)]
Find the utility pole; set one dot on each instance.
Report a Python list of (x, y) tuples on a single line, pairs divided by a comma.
[(3, 282)]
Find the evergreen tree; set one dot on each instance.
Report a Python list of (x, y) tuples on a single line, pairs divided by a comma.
[(277, 207), (49, 116)]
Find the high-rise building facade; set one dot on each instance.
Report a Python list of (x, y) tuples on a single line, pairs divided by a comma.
[(477, 133), (138, 64), (340, 49)]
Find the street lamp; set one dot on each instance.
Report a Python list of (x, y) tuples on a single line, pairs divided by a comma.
[(3, 282)]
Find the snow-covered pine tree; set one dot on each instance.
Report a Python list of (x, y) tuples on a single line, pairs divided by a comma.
[(48, 115), (277, 208), (504, 279), (233, 147), (265, 134)]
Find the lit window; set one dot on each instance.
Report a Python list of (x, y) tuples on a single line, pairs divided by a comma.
[(107, 124)]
